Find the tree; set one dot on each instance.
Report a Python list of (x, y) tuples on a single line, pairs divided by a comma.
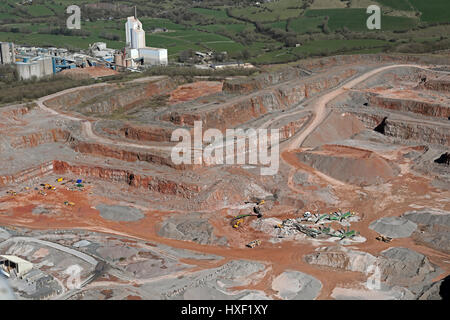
[(245, 54), (185, 55)]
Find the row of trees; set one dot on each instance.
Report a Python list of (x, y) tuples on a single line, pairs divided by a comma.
[(13, 90), (287, 37)]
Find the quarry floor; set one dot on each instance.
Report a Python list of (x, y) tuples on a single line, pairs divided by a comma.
[(376, 175)]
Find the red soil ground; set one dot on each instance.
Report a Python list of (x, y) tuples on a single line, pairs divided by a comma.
[(93, 72), (192, 91), (406, 189)]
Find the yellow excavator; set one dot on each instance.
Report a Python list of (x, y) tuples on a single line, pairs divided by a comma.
[(237, 222)]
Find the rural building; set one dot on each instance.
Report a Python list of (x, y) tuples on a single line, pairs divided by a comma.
[(225, 65), (6, 53), (135, 35), (99, 50), (153, 56), (136, 48), (38, 67), (10, 265)]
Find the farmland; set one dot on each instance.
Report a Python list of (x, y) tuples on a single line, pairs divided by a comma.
[(273, 32)]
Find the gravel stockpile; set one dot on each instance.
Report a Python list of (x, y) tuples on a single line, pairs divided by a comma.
[(295, 285), (394, 227)]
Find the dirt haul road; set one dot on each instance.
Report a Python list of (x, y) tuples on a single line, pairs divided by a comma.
[(320, 111), (87, 125)]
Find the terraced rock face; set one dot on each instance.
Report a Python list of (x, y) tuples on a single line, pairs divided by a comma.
[(166, 230), (421, 107), (440, 84)]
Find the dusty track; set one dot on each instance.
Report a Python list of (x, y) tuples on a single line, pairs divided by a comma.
[(320, 104), (318, 107), (291, 257)]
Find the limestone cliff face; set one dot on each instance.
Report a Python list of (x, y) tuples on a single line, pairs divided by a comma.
[(27, 174), (325, 63), (16, 112), (128, 97), (108, 98), (109, 151), (153, 183), (420, 132), (440, 84), (37, 138), (246, 86), (72, 99), (253, 106), (297, 71), (421, 107), (146, 133)]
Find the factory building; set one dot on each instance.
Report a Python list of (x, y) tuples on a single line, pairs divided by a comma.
[(12, 265), (6, 53), (99, 50), (153, 56), (136, 51), (38, 67), (134, 34)]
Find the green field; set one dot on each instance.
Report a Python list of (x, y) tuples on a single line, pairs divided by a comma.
[(270, 12), (39, 11), (267, 32), (305, 24), (210, 12), (151, 23), (238, 27), (332, 46), (433, 10), (320, 47), (278, 24), (397, 4), (355, 19)]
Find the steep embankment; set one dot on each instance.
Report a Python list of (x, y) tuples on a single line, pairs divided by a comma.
[(408, 105), (243, 109), (351, 165)]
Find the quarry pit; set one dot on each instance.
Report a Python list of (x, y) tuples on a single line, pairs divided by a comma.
[(358, 134)]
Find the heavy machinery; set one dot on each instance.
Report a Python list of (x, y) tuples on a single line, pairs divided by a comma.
[(47, 186), (254, 243), (239, 219), (257, 211), (11, 192), (334, 216), (346, 215), (346, 233), (237, 223), (256, 201), (313, 233), (383, 238), (322, 217)]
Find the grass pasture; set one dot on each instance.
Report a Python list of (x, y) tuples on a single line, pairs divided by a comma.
[(433, 10), (396, 4), (355, 19)]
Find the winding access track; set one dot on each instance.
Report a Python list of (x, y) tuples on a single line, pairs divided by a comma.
[(319, 113)]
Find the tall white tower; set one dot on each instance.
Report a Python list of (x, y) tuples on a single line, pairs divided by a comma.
[(135, 35)]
